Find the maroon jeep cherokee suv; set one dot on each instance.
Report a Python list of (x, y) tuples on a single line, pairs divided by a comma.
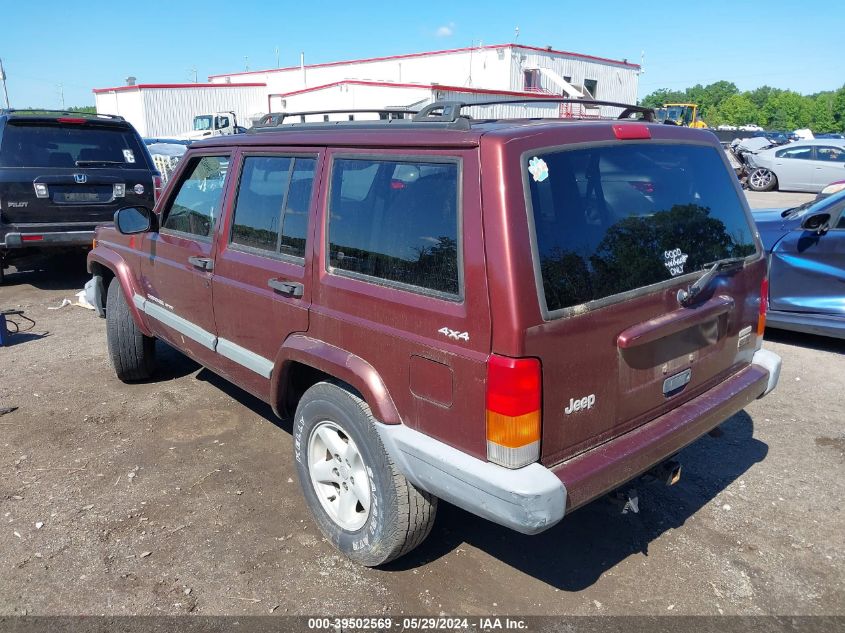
[(515, 316)]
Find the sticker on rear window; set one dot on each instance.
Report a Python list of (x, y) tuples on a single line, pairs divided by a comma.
[(675, 260), (538, 169), (128, 156)]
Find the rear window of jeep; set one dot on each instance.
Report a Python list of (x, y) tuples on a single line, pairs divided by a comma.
[(396, 223), (615, 218)]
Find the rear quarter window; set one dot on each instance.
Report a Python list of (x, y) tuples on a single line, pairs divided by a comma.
[(396, 222), (615, 218)]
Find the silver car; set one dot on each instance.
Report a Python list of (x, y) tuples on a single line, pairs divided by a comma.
[(799, 166)]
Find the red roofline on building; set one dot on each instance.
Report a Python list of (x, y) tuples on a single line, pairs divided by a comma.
[(166, 86), (441, 52), (389, 84)]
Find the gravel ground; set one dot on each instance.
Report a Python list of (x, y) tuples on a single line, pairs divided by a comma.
[(180, 496)]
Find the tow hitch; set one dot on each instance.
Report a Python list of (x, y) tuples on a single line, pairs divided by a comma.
[(668, 472), (628, 500)]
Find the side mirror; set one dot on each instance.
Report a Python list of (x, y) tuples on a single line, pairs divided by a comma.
[(132, 220), (818, 222)]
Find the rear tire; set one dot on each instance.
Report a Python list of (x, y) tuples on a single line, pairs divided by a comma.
[(335, 444), (762, 179), (132, 353)]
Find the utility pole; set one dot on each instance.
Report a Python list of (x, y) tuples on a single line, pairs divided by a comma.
[(3, 79), (193, 71), (277, 57), (246, 63), (62, 95)]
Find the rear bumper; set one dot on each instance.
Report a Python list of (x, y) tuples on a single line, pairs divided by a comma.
[(534, 498), (48, 238)]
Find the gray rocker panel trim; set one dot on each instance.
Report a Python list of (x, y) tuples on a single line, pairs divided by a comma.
[(183, 326), (243, 356), (227, 349)]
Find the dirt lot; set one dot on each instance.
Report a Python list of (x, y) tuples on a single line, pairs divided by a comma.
[(180, 496)]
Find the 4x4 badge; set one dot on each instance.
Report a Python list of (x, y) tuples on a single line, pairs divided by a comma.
[(80, 179)]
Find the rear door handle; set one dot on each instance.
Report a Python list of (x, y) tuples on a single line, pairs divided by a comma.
[(289, 288), (203, 263)]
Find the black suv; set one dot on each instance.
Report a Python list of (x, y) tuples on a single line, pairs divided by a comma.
[(62, 173)]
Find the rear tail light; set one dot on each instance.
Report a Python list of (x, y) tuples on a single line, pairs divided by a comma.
[(32, 238), (157, 185), (41, 190), (764, 306), (514, 394)]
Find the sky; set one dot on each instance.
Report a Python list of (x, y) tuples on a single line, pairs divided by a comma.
[(95, 44)]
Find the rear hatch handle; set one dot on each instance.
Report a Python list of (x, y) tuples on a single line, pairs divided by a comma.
[(688, 295), (673, 322)]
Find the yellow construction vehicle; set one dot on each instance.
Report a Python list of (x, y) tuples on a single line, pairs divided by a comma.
[(685, 114)]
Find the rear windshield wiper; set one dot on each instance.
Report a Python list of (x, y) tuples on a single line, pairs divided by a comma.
[(86, 163), (686, 297)]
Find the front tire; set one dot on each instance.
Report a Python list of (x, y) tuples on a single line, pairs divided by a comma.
[(762, 179), (360, 501), (132, 352)]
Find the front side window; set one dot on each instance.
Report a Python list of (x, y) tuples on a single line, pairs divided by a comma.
[(196, 206), (617, 218), (271, 211), (396, 221)]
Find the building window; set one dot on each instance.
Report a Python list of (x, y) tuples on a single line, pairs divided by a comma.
[(531, 80), (592, 87)]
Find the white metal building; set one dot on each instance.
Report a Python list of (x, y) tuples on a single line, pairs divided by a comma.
[(402, 81), (164, 110), (509, 70)]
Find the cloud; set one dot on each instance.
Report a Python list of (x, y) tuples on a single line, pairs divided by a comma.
[(447, 30)]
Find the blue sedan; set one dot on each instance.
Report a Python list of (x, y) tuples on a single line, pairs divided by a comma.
[(806, 250)]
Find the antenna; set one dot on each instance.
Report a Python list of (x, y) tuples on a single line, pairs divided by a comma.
[(246, 63), (277, 57), (193, 71), (516, 34), (3, 79), (642, 62)]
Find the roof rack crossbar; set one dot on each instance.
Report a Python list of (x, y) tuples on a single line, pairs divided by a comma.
[(450, 111), (387, 112), (37, 111)]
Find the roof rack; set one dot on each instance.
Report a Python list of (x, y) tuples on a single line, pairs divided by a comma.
[(42, 111), (440, 114), (275, 119), (450, 111)]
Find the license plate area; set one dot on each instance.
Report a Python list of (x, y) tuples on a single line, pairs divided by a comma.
[(97, 194), (674, 384)]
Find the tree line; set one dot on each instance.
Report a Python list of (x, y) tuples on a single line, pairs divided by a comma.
[(772, 108)]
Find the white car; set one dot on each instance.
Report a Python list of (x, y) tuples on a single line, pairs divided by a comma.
[(799, 166)]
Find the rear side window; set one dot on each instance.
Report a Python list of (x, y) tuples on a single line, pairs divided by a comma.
[(196, 206), (271, 212), (616, 218), (28, 144), (397, 222)]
